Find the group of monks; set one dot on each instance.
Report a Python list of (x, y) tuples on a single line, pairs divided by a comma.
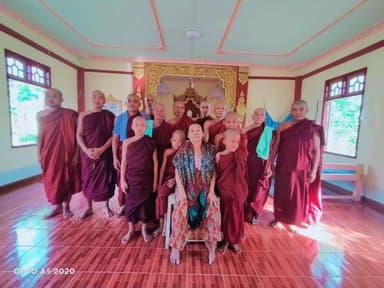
[(94, 150)]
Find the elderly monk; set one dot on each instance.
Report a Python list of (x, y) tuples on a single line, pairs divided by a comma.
[(149, 101), (205, 108), (298, 152), (94, 136), (181, 121), (258, 163), (162, 131), (215, 126), (121, 131), (58, 153)]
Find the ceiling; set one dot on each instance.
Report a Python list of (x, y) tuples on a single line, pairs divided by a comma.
[(276, 33)]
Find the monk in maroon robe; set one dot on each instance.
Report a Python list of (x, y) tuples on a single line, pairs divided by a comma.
[(231, 121), (298, 152), (162, 131), (139, 171), (233, 188), (121, 131), (205, 108), (149, 101), (259, 172), (315, 204), (59, 153), (215, 126), (181, 120), (94, 136), (167, 179)]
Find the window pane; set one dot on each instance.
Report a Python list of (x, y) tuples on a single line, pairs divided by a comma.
[(25, 101), (343, 125), (336, 88), (356, 84)]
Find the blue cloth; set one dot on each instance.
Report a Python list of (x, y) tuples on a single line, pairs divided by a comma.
[(122, 122), (262, 148), (274, 124)]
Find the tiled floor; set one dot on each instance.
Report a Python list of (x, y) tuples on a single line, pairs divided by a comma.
[(346, 250)]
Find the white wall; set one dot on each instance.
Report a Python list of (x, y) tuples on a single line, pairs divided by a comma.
[(20, 163), (370, 152)]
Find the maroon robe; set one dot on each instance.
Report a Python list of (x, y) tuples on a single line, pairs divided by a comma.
[(162, 136), (201, 121), (294, 156), (258, 180), (233, 189), (183, 124), (98, 176), (139, 204), (215, 129), (130, 133), (57, 145), (243, 142), (315, 204), (164, 191)]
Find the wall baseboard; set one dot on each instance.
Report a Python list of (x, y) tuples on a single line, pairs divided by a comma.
[(20, 184), (377, 206)]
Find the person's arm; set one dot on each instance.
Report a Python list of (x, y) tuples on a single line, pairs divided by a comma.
[(39, 134), (211, 197), (316, 157), (180, 191), (97, 152), (79, 136), (207, 124), (115, 146), (163, 165), (275, 148), (123, 181), (155, 170)]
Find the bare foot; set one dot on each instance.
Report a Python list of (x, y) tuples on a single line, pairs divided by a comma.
[(56, 211), (236, 248), (211, 256), (157, 232), (85, 214), (175, 256), (277, 225), (255, 221), (125, 239), (67, 213), (121, 211), (293, 228), (147, 237), (108, 212), (223, 247)]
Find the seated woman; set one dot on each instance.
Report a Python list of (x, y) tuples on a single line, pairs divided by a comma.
[(196, 212)]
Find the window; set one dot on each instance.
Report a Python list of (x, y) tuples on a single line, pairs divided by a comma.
[(27, 82), (343, 101)]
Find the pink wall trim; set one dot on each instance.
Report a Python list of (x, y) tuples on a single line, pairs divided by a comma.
[(108, 71), (221, 50), (98, 45)]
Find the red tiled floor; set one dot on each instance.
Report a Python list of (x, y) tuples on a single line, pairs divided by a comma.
[(345, 250)]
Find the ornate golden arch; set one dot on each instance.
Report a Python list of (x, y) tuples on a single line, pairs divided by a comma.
[(227, 74)]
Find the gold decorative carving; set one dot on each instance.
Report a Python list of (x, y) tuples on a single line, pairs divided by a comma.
[(227, 74), (138, 70), (112, 104), (243, 75), (241, 107)]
